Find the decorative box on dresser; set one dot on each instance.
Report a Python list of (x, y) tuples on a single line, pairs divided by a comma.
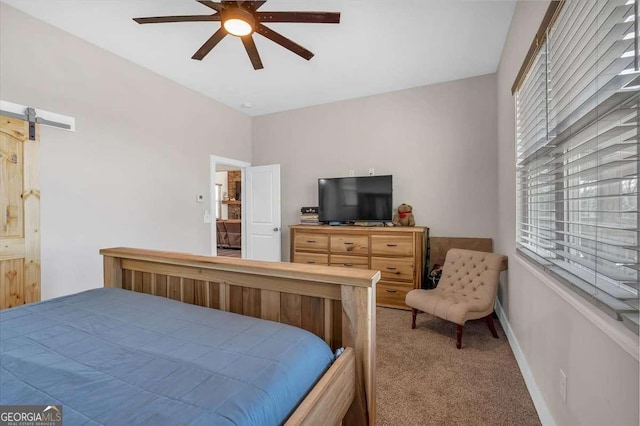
[(397, 252)]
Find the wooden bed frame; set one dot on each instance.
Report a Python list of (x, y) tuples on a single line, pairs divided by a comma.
[(337, 304)]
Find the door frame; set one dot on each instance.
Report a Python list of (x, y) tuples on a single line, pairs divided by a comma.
[(214, 161)]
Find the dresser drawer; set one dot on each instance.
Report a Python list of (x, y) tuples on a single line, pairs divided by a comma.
[(394, 269), (358, 262), (313, 242), (392, 294), (311, 258), (391, 245), (352, 244)]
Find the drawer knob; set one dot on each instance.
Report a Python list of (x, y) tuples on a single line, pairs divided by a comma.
[(311, 261), (348, 265), (392, 245), (311, 241), (391, 268), (391, 291), (348, 243)]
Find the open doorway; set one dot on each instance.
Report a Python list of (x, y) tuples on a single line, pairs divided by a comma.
[(228, 210), (227, 230), (253, 199)]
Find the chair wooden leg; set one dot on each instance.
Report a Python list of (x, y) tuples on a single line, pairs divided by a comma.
[(414, 313), (459, 336), (492, 327)]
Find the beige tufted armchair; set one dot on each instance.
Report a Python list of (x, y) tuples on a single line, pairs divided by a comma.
[(466, 291)]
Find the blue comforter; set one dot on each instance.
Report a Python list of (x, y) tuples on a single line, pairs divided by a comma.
[(116, 357)]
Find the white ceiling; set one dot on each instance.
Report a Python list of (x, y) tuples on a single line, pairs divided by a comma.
[(379, 46)]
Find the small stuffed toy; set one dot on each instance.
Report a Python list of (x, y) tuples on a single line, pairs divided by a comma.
[(404, 216)]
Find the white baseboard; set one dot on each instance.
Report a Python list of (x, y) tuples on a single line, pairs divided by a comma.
[(538, 401)]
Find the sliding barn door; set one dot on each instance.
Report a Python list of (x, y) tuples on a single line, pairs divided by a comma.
[(20, 214)]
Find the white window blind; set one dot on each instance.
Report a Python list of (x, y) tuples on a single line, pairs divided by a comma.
[(577, 155)]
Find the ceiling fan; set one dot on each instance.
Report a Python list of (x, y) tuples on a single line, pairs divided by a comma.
[(242, 19)]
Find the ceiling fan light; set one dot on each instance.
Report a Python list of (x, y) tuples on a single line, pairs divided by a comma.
[(237, 27), (238, 22)]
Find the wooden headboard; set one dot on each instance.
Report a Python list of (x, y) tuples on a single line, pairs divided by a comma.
[(441, 245)]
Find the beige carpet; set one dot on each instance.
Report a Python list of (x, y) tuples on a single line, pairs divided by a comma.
[(422, 379)]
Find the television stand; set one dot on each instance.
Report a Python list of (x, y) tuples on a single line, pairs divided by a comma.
[(370, 224), (398, 252), (364, 224)]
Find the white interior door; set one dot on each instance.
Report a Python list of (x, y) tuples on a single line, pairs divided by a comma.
[(262, 212)]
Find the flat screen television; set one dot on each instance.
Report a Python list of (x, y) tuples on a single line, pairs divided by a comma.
[(355, 199)]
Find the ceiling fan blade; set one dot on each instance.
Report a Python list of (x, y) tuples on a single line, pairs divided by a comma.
[(284, 42), (255, 4), (252, 51), (163, 19), (304, 17), (213, 5), (209, 44)]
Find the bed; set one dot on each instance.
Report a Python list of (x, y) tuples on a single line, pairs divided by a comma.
[(118, 356)]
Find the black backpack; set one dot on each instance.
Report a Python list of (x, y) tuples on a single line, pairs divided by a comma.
[(431, 279)]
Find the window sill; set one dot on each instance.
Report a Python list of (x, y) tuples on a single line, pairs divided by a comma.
[(615, 330)]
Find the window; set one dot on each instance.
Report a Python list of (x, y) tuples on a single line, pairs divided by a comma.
[(577, 153)]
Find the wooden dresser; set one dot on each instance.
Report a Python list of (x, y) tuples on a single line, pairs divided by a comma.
[(397, 252)]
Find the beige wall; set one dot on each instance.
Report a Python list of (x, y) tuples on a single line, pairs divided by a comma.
[(130, 173), (554, 332), (438, 142)]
